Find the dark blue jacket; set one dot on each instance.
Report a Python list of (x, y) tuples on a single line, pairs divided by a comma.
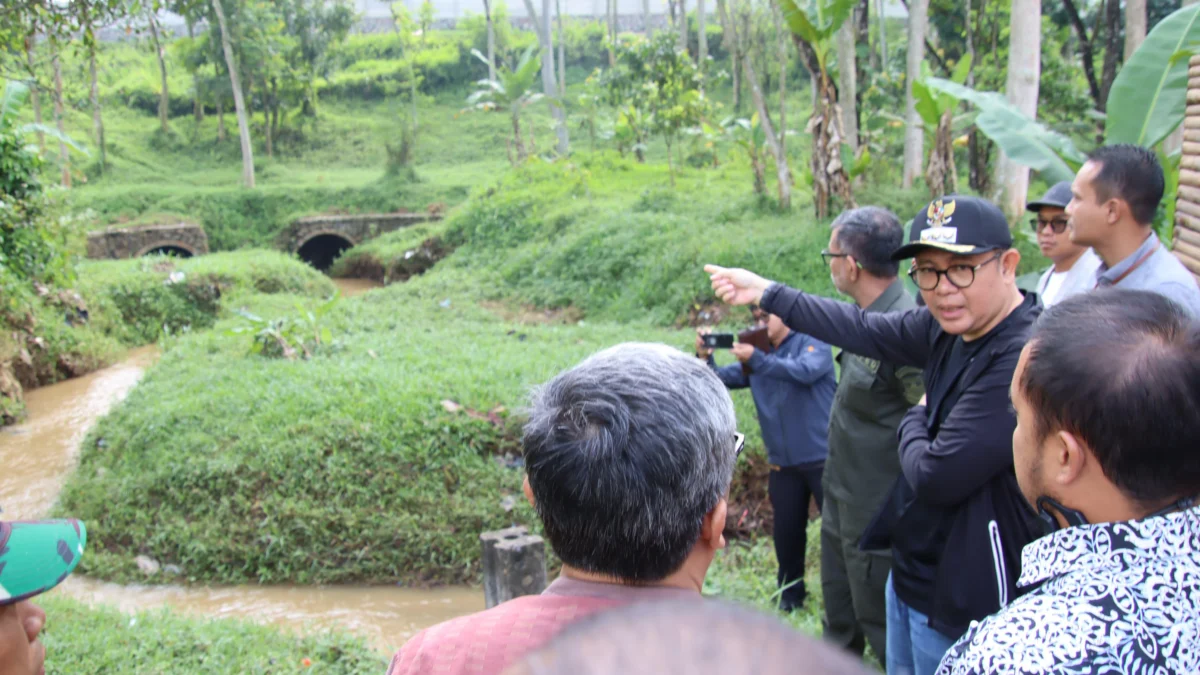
[(793, 389)]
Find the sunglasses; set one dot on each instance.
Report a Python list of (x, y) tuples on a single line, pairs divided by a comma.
[(1056, 224)]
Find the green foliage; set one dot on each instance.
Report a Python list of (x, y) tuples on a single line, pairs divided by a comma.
[(82, 639), (817, 22), (930, 105), (1148, 96), (289, 337), (137, 301)]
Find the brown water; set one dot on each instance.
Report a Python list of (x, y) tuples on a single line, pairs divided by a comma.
[(37, 455), (353, 287)]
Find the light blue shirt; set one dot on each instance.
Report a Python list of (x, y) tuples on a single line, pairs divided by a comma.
[(1161, 272)]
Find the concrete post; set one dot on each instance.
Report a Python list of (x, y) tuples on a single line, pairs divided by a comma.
[(514, 564)]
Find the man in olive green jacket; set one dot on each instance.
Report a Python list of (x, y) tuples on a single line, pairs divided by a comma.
[(872, 397)]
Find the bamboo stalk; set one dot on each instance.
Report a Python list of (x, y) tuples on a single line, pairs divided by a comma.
[(1189, 235), (1190, 208), (1189, 255), (1189, 193), (1185, 222), (1190, 175)]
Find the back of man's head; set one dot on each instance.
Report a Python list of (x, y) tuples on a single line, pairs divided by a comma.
[(871, 234), (626, 453), (1120, 370), (1132, 174), (700, 637)]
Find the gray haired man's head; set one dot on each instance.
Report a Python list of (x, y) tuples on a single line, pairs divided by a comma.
[(871, 234), (626, 454)]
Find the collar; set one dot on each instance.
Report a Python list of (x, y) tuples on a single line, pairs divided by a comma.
[(888, 297), (566, 586), (1106, 273), (1119, 545)]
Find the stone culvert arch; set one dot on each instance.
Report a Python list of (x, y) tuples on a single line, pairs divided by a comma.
[(116, 243), (322, 247), (181, 249)]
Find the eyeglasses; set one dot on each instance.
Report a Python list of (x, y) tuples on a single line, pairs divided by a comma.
[(739, 442), (828, 255), (959, 276), (1056, 224)]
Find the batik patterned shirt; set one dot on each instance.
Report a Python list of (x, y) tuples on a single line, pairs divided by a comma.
[(1107, 598)]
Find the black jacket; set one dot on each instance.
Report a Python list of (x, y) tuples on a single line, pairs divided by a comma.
[(955, 518)]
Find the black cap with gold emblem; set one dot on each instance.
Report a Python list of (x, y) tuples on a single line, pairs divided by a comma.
[(957, 223)]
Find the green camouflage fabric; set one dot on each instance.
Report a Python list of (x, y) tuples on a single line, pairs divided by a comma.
[(36, 556)]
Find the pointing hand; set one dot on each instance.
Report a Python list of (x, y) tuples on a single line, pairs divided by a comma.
[(737, 286)]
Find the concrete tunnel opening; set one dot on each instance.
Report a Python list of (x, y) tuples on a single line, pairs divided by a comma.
[(322, 250)]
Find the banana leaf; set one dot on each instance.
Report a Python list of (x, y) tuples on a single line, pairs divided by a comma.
[(1149, 95)]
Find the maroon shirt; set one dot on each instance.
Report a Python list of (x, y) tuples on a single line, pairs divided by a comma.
[(487, 642)]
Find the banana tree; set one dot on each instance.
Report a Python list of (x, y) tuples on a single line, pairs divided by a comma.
[(813, 30), (748, 134), (936, 110), (1146, 103), (15, 95), (512, 90)]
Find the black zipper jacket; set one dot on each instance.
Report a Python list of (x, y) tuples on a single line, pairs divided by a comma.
[(955, 518)]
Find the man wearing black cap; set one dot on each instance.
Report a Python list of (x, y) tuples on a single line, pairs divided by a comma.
[(1075, 265), (955, 518)]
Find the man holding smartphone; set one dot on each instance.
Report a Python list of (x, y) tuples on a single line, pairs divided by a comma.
[(793, 386)]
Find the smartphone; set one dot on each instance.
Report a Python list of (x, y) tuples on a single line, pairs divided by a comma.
[(718, 340)]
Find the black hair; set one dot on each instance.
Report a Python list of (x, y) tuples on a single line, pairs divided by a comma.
[(1132, 174), (871, 234), (1120, 369)]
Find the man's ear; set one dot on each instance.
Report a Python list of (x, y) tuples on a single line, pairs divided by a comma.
[(855, 269), (1115, 210), (713, 528), (528, 492), (1070, 459), (1008, 263)]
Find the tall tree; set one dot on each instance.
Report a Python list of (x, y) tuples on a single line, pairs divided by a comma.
[(881, 18), (491, 40), (1135, 25), (702, 38), (238, 103), (35, 97), (546, 39), (782, 171), (164, 98), (914, 135), (646, 27), (562, 49), (847, 84), (94, 92), (610, 30), (64, 156), (1024, 70), (683, 25)]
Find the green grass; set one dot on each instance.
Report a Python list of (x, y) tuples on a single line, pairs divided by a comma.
[(82, 639)]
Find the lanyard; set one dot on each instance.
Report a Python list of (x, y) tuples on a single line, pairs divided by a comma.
[(1134, 266)]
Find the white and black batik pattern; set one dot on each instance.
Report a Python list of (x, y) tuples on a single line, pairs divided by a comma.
[(1114, 598)]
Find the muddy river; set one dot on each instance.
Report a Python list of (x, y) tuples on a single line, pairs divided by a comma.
[(39, 453)]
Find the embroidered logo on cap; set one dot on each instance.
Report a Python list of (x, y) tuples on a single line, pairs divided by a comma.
[(938, 216)]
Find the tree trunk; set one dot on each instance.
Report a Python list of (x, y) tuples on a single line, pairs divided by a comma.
[(914, 135), (562, 50), (220, 119), (883, 48), (829, 175), (545, 38), (736, 66), (491, 40), (646, 19), (1024, 70), (267, 131), (1135, 25), (1112, 35), (760, 105), (97, 116), (164, 100), (941, 175), (197, 103), (63, 153), (683, 25), (702, 38), (516, 125), (238, 104), (274, 108), (847, 86), (781, 32), (610, 30), (35, 97)]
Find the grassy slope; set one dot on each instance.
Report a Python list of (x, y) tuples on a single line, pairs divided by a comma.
[(82, 639)]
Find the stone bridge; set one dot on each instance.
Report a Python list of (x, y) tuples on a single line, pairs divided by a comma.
[(181, 239), (317, 240)]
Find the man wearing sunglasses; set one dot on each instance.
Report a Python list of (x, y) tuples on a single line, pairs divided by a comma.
[(955, 518), (1075, 265)]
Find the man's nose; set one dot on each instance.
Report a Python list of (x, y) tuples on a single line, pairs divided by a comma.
[(944, 286)]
